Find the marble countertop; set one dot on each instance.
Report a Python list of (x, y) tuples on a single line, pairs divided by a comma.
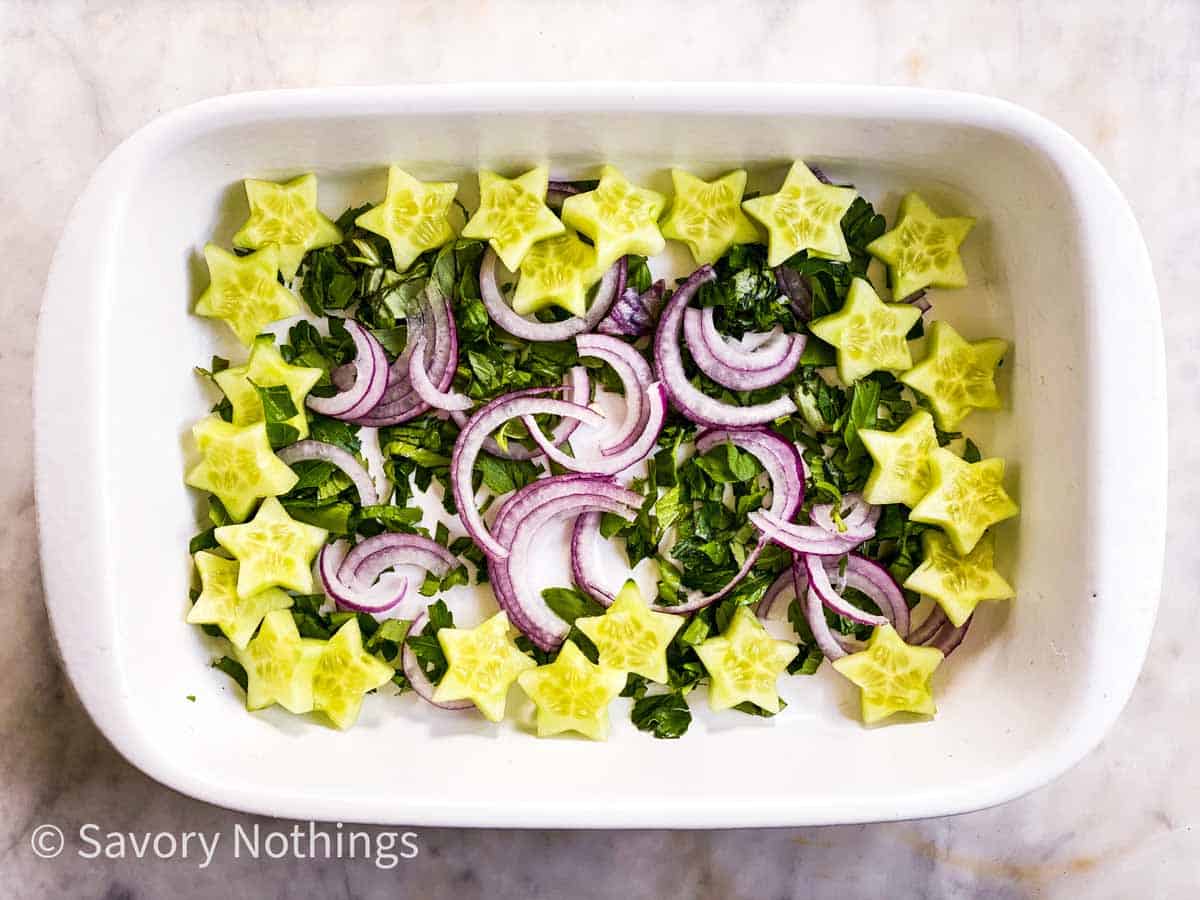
[(76, 78)]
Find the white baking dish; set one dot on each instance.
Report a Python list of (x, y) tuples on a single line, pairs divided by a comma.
[(1057, 265)]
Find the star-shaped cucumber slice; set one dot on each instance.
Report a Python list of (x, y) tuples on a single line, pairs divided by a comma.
[(279, 665), (630, 637), (556, 272), (220, 605), (744, 664), (708, 216), (344, 673), (512, 214), (572, 694), (922, 250), (803, 215), (957, 375), (964, 499), (266, 368), (956, 581), (893, 676), (901, 470), (414, 216), (286, 216), (483, 664), (869, 335), (238, 465), (274, 550), (245, 292), (619, 217)]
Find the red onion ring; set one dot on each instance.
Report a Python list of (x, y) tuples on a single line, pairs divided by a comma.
[(740, 378), (876, 582), (668, 362), (584, 537), (471, 440), (774, 592), (367, 561), (416, 676), (370, 379), (335, 456), (806, 539), (858, 524), (379, 598), (634, 314), (948, 637), (635, 375), (758, 350), (818, 581), (929, 627), (427, 390), (793, 286), (503, 315), (656, 396)]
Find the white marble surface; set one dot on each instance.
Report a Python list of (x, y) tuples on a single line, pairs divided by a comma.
[(76, 78)]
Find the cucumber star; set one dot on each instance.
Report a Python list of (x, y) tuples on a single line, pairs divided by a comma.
[(958, 583), (957, 376), (630, 637), (238, 465), (964, 499), (707, 215), (343, 673), (744, 663), (893, 676), (901, 470), (220, 605), (618, 216), (513, 214), (922, 250), (414, 216), (286, 215), (274, 550), (572, 694), (484, 662), (244, 292), (279, 665), (869, 334), (266, 368), (804, 215), (556, 272)]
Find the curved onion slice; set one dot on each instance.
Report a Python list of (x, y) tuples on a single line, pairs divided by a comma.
[(783, 465), (778, 587), (471, 440), (635, 375), (335, 456), (807, 539), (758, 351), (833, 645), (793, 286), (584, 536), (503, 315), (379, 598), (426, 389), (668, 361), (818, 581), (857, 524), (370, 558), (370, 379), (656, 398), (948, 637), (416, 676), (929, 627), (634, 314), (876, 582), (742, 377)]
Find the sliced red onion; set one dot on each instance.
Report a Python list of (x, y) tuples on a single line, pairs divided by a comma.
[(578, 387), (876, 582), (782, 462), (635, 375), (754, 353), (342, 376), (808, 539), (427, 390), (416, 676), (371, 557), (656, 399), (558, 191), (668, 361), (929, 627), (793, 286), (370, 378), (337, 457), (379, 598), (814, 614), (948, 637), (471, 440), (634, 314), (919, 299), (584, 537), (744, 378), (503, 315), (818, 580), (778, 587), (525, 606), (857, 524), (818, 173)]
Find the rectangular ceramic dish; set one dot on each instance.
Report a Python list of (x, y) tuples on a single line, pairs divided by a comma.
[(1057, 265)]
